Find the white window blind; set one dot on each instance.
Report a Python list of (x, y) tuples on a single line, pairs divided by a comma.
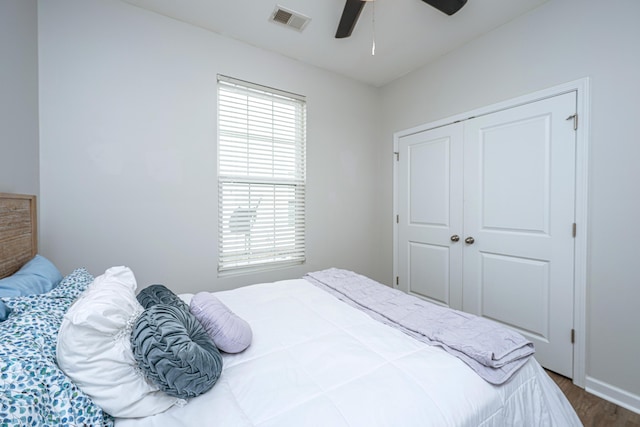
[(261, 176)]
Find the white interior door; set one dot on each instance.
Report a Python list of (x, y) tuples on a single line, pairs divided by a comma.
[(519, 191), (506, 182), (430, 213)]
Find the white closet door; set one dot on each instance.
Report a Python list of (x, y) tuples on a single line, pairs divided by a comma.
[(430, 213), (519, 191)]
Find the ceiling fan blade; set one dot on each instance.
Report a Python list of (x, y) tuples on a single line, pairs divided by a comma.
[(349, 18), (447, 6)]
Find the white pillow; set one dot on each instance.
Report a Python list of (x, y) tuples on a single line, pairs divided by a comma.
[(94, 348)]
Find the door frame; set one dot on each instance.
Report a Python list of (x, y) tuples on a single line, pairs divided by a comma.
[(581, 87)]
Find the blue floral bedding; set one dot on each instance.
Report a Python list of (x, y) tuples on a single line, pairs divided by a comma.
[(33, 390)]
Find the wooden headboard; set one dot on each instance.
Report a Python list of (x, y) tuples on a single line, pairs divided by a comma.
[(18, 231)]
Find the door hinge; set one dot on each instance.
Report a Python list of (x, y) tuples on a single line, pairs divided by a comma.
[(397, 153), (574, 229), (397, 281), (574, 117), (573, 336), (397, 219)]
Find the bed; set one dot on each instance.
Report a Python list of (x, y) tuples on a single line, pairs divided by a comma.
[(315, 359)]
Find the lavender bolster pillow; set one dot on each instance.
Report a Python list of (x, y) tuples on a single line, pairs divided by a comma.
[(229, 332)]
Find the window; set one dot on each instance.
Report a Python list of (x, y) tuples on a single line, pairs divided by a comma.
[(261, 176)]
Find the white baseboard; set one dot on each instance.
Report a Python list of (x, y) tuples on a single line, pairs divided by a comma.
[(613, 394)]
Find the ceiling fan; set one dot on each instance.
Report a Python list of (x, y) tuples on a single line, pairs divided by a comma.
[(353, 8)]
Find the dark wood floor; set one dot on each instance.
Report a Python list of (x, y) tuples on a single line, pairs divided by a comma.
[(593, 411)]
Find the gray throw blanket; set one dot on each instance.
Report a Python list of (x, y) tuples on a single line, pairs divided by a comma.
[(491, 350)]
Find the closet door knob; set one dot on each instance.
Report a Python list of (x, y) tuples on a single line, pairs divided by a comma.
[(455, 238), (469, 240)]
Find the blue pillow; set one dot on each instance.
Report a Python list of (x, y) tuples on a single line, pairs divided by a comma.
[(174, 351), (160, 294), (4, 311), (38, 276)]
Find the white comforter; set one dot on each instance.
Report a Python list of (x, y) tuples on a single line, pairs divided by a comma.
[(315, 361)]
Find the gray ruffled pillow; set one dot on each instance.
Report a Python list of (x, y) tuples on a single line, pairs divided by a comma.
[(229, 332), (175, 352), (160, 294)]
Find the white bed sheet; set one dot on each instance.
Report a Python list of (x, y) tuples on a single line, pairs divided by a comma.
[(315, 361)]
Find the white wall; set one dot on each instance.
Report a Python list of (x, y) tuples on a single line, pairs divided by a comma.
[(561, 41), (19, 96), (128, 147)]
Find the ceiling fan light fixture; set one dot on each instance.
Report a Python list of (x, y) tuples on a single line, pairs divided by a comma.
[(447, 6), (350, 15), (352, 9)]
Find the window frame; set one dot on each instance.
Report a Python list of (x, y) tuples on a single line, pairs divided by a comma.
[(276, 186)]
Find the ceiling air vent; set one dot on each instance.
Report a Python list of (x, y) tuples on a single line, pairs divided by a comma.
[(289, 18)]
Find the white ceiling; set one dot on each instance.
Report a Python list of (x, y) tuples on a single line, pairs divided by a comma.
[(408, 33)]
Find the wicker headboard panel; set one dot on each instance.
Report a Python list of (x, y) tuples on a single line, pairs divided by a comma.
[(18, 231)]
